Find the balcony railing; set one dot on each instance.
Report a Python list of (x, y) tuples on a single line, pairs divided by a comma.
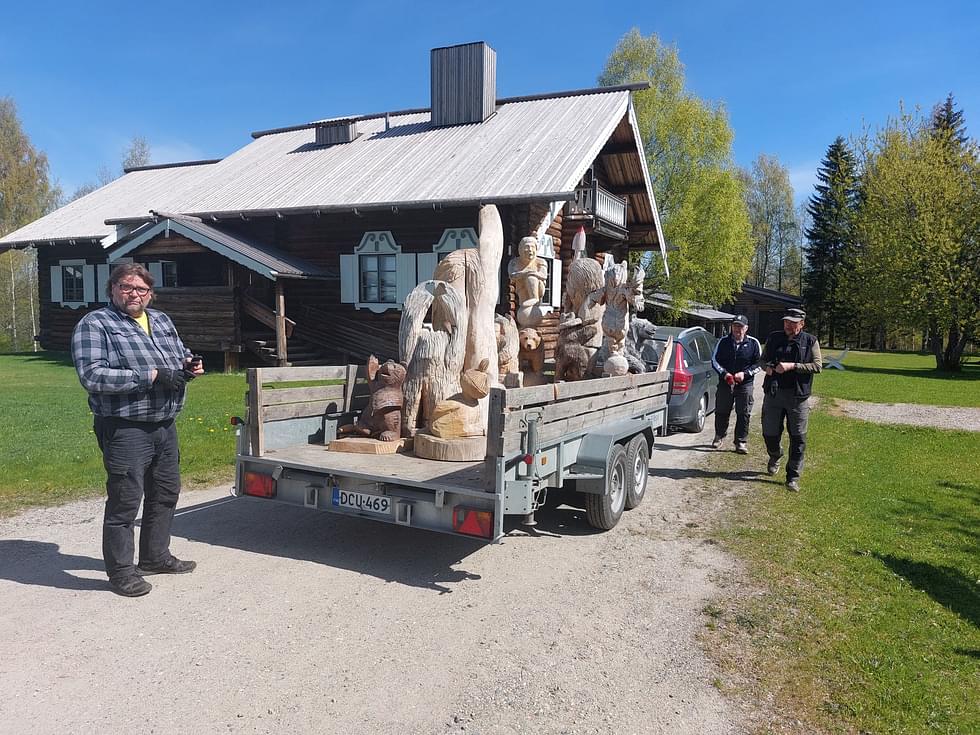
[(604, 206)]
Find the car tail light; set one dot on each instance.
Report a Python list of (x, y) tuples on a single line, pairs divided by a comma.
[(473, 522), (682, 378), (260, 485)]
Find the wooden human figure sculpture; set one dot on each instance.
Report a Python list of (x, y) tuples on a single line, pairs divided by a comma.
[(382, 417), (434, 355), (579, 335), (459, 415), (617, 298), (529, 274)]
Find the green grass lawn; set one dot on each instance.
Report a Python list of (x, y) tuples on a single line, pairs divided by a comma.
[(869, 620), (49, 454), (885, 377)]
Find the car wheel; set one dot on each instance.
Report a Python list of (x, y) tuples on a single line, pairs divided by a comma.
[(638, 461), (697, 426)]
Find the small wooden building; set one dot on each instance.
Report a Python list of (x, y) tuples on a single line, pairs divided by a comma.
[(763, 307), (301, 246)]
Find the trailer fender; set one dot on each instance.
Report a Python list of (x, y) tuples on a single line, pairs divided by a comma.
[(596, 448)]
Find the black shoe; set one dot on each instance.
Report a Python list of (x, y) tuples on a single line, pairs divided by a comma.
[(173, 565), (773, 467), (131, 586)]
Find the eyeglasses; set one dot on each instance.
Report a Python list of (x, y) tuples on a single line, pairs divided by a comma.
[(125, 288)]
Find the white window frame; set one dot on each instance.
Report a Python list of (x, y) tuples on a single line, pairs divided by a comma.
[(88, 283), (163, 274), (552, 294), (453, 238), (376, 243)]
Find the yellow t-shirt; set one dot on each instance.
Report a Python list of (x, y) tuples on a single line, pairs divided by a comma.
[(144, 321)]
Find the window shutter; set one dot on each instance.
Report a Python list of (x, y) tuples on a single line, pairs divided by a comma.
[(101, 278), (426, 266), (56, 284), (348, 279), (407, 279), (88, 283), (156, 270), (556, 265)]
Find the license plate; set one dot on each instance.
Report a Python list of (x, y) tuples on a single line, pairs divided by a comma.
[(362, 501)]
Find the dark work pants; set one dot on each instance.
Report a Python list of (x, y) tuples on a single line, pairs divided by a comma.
[(739, 396), (142, 462), (795, 410)]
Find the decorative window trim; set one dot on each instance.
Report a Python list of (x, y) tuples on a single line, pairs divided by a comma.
[(453, 238), (88, 283), (376, 243), (552, 293)]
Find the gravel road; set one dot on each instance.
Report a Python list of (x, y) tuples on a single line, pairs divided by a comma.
[(941, 417), (306, 622)]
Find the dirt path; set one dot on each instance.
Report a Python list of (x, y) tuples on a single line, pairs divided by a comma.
[(940, 417), (304, 622)]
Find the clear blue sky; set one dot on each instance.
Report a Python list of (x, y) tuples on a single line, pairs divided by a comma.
[(196, 78)]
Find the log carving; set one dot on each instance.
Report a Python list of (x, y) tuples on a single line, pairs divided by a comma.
[(529, 274), (382, 417)]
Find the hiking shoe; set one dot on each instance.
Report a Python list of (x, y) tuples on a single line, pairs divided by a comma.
[(773, 467), (741, 448), (173, 565), (131, 586), (716, 442), (793, 485)]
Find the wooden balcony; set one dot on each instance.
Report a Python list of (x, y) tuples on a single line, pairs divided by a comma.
[(605, 210)]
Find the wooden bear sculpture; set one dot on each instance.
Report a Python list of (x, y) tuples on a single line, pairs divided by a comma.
[(383, 416)]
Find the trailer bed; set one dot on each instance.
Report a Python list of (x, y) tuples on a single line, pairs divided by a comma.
[(400, 468)]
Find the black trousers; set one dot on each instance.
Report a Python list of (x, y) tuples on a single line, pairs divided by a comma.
[(739, 396), (142, 463), (780, 406)]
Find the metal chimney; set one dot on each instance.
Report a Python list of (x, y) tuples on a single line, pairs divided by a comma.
[(464, 84)]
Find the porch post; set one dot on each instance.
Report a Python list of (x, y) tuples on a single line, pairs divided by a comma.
[(280, 325)]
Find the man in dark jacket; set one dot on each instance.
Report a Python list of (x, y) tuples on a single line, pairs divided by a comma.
[(791, 359), (134, 367), (736, 359)]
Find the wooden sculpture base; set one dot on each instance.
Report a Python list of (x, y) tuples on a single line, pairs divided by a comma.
[(364, 445), (461, 449)]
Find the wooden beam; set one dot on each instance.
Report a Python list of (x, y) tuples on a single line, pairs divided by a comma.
[(627, 189), (280, 325), (617, 149)]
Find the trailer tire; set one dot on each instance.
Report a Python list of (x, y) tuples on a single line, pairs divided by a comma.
[(638, 462), (604, 511)]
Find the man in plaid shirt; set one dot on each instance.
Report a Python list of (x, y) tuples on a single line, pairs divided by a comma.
[(135, 368)]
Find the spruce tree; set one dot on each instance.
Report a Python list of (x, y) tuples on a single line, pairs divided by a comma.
[(948, 121), (829, 237)]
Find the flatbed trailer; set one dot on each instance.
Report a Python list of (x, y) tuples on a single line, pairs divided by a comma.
[(592, 437)]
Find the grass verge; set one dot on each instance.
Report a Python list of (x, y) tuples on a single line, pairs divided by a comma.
[(49, 451), (869, 616), (893, 377)]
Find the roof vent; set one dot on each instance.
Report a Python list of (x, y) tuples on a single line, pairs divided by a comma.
[(464, 84), (332, 132)]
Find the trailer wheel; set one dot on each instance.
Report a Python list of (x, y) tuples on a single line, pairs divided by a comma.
[(604, 511), (638, 462)]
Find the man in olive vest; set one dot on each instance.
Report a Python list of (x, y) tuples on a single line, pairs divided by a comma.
[(791, 357)]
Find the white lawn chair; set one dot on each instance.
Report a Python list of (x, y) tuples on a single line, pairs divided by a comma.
[(835, 362)]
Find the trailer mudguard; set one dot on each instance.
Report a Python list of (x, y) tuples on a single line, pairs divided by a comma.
[(593, 454)]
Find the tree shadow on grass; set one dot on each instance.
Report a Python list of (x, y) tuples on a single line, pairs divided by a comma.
[(946, 585), (49, 358), (968, 373)]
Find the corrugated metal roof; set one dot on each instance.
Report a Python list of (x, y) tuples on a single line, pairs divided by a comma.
[(530, 149), (85, 218), (268, 261)]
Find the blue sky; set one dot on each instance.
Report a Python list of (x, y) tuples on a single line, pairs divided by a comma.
[(196, 78)]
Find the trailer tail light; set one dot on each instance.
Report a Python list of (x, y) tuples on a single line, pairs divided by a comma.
[(473, 522), (682, 377), (260, 485)]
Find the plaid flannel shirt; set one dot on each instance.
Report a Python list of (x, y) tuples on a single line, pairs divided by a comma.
[(114, 359)]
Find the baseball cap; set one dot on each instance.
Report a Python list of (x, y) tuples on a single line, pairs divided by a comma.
[(794, 315), (741, 319)]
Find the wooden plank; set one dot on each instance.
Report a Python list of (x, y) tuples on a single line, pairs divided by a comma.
[(580, 406), (281, 334), (530, 396), (301, 410), (296, 395), (316, 372), (255, 418), (582, 424), (495, 422)]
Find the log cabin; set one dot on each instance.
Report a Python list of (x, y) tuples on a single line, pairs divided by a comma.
[(300, 247)]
